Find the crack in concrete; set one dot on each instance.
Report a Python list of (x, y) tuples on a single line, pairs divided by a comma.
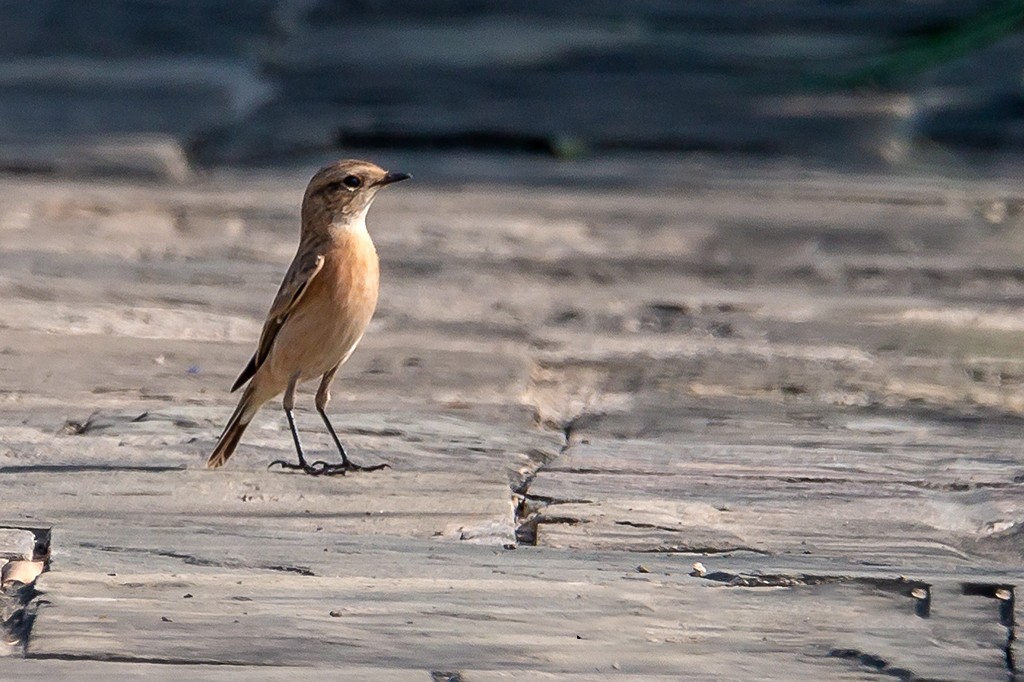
[(126, 658), (900, 585), (873, 661), (199, 561), (84, 468), (18, 601), (17, 613), (706, 550), (652, 526), (527, 511), (446, 676), (954, 486)]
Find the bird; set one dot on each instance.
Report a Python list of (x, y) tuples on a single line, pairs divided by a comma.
[(321, 310)]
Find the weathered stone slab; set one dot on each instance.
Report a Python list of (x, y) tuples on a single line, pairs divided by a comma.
[(938, 509), (16, 543), (457, 607)]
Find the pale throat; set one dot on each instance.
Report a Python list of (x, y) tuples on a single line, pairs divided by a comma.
[(343, 225)]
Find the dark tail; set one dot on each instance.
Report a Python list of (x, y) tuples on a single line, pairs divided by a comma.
[(232, 432)]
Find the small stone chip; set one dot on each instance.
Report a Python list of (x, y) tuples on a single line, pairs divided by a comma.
[(698, 570), (1004, 594), (336, 614), (166, 619), (642, 569), (919, 593)]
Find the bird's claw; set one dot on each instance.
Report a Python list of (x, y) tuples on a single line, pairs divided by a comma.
[(317, 468), (322, 468), (359, 467)]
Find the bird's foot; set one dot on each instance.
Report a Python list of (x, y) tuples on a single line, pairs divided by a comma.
[(322, 468)]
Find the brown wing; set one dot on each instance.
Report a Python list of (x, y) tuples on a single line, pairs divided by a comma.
[(302, 271)]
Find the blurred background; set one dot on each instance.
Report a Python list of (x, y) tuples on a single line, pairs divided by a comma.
[(535, 90)]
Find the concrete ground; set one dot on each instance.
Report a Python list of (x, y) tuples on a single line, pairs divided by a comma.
[(740, 426)]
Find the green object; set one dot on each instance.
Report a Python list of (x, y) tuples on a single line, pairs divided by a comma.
[(921, 53)]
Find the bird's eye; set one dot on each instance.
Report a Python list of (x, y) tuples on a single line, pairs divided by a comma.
[(352, 181)]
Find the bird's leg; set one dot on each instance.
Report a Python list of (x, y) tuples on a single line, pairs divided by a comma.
[(323, 396), (303, 465), (346, 463)]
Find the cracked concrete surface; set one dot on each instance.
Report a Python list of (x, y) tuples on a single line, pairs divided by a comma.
[(810, 385)]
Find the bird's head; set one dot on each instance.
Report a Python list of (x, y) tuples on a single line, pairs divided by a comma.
[(340, 194)]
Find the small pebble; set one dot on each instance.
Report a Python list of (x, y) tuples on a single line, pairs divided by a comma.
[(336, 614), (166, 619), (919, 593), (698, 569), (642, 569), (1004, 594)]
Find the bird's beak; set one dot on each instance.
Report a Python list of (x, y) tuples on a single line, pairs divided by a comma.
[(393, 177)]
